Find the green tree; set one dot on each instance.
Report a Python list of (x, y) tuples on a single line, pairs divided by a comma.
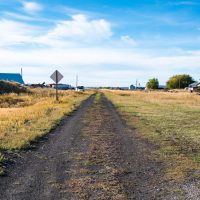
[(152, 83), (179, 81)]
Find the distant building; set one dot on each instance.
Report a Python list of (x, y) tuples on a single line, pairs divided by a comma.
[(194, 86), (61, 86), (80, 88), (123, 88), (132, 87), (140, 88), (11, 77), (162, 87)]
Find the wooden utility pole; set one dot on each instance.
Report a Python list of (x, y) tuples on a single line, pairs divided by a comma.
[(76, 81), (21, 72), (136, 84)]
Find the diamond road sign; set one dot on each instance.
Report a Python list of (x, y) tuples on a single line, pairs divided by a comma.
[(56, 76)]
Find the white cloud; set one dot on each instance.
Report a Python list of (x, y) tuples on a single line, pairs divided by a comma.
[(108, 64), (126, 39), (114, 65), (18, 16), (188, 3), (81, 28), (119, 58), (73, 11), (31, 7), (14, 33), (26, 18), (74, 32)]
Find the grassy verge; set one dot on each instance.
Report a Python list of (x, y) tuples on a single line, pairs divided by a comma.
[(169, 120), (98, 97), (24, 118)]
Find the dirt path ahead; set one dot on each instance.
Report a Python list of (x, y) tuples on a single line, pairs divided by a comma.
[(91, 155)]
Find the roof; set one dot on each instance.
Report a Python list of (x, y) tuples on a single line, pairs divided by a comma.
[(194, 85), (162, 86), (11, 77)]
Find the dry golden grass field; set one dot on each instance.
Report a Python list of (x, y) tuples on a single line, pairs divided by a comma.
[(26, 117), (169, 120)]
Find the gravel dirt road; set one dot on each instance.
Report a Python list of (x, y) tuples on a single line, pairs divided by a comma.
[(92, 154)]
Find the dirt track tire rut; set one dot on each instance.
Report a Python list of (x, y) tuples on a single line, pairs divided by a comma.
[(112, 162)]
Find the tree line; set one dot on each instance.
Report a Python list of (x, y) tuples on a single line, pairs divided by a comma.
[(180, 81)]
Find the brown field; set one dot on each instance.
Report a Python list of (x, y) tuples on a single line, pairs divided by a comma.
[(168, 120)]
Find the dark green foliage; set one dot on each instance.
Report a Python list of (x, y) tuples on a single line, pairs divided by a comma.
[(179, 81), (11, 87), (152, 83)]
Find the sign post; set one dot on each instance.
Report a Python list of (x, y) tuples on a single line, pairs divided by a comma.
[(56, 77)]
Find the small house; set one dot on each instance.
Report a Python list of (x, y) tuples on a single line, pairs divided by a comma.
[(194, 86)]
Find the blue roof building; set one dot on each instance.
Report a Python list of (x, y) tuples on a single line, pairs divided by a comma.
[(11, 77)]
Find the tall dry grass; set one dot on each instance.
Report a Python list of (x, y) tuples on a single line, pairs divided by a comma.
[(28, 116), (25, 118), (167, 98)]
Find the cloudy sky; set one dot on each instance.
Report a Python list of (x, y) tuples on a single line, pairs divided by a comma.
[(107, 43)]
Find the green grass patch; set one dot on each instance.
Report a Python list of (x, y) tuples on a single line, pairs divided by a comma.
[(98, 97)]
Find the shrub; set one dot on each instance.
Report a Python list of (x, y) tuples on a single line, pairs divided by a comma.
[(12, 87), (152, 83)]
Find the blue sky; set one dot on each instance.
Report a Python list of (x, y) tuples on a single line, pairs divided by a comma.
[(108, 43)]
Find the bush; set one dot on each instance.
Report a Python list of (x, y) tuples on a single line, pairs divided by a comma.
[(12, 87), (180, 81), (152, 83)]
